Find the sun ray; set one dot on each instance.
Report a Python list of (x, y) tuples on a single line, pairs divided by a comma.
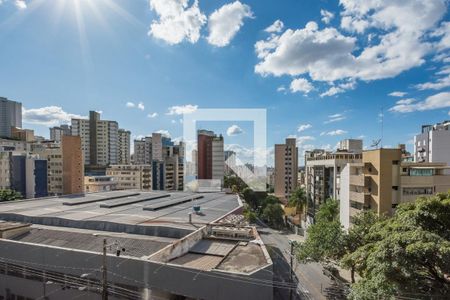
[(124, 14), (84, 43)]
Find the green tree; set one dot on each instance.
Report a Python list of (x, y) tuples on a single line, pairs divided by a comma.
[(9, 195), (325, 239), (273, 214), (249, 196), (406, 255), (298, 199)]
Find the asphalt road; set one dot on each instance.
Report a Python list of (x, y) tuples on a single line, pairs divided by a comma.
[(312, 283)]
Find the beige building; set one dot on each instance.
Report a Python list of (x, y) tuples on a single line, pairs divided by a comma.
[(131, 176), (5, 170), (124, 147), (65, 168), (96, 184), (383, 180), (286, 168), (20, 134)]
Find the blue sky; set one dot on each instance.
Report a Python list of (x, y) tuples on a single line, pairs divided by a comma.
[(330, 66)]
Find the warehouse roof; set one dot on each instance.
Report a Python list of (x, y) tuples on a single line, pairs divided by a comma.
[(125, 211)]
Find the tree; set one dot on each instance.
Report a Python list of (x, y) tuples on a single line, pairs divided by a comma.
[(273, 214), (406, 255), (325, 239), (9, 195), (250, 197), (298, 199)]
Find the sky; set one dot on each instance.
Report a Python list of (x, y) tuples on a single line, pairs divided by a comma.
[(324, 70)]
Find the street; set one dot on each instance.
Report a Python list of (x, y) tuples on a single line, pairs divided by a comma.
[(312, 283)]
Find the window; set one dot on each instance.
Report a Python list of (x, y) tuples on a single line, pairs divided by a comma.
[(418, 191), (395, 188), (395, 162)]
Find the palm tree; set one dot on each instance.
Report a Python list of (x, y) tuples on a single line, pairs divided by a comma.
[(298, 200), (9, 195)]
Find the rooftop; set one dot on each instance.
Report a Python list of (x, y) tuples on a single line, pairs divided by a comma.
[(154, 213)]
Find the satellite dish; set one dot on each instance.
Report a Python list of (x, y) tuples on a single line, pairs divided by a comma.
[(375, 143)]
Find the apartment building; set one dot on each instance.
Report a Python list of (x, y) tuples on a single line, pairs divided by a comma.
[(131, 176), (99, 140), (10, 116), (124, 156), (286, 169), (433, 143), (99, 183), (143, 151), (29, 175), (65, 168), (323, 171), (20, 134), (383, 180), (57, 132), (210, 156)]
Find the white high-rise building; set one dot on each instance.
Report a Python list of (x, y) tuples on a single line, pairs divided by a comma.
[(58, 131), (433, 144), (10, 116), (157, 150), (218, 158)]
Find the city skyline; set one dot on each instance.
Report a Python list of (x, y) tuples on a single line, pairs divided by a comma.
[(150, 78)]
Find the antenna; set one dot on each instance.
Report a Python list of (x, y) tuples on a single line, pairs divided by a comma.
[(382, 126), (375, 143)]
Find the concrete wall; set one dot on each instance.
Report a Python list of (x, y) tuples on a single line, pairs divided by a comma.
[(344, 204)]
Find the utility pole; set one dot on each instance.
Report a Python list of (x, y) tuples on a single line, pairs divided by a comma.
[(292, 268), (104, 270)]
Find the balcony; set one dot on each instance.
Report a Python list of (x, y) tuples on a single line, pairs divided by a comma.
[(357, 180), (357, 197)]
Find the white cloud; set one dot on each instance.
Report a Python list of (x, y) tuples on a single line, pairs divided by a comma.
[(140, 105), (303, 127), (48, 116), (173, 121), (277, 26), (225, 22), (440, 100), (332, 91), (439, 84), (234, 130), (335, 118), (182, 109), (397, 94), (334, 132), (301, 85), (327, 16), (304, 138), (177, 21), (152, 115), (331, 55), (281, 89), (164, 132), (20, 4)]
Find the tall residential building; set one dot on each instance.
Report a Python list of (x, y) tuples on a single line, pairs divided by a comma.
[(286, 168), (157, 144), (323, 171), (124, 157), (99, 140), (131, 176), (433, 143), (210, 156), (383, 180), (143, 151), (10, 116), (29, 175), (57, 132)]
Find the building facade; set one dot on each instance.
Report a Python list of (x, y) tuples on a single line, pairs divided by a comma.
[(99, 183), (57, 132), (131, 176), (383, 180), (286, 169), (10, 116), (124, 156), (210, 156), (433, 143), (143, 151), (29, 175)]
